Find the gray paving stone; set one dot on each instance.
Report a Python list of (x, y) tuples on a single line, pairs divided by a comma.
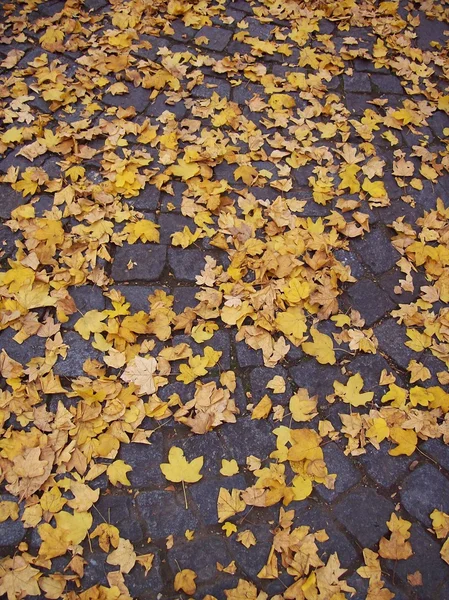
[(370, 367), (184, 297), (424, 490), (437, 450), (145, 461), (149, 259), (370, 300), (364, 513), (138, 97), (349, 259), (387, 83), (205, 495), (186, 264), (201, 555), (384, 469), (9, 199), (146, 586), (137, 295), (426, 560), (318, 518), (11, 532), (165, 514), (390, 280), (7, 242), (210, 446), (160, 104), (22, 353), (318, 379), (251, 560), (78, 352), (392, 338), (170, 223), (260, 376), (147, 200), (358, 82), (218, 37), (357, 103), (258, 431), (116, 510), (212, 85), (376, 251), (337, 463), (86, 297)]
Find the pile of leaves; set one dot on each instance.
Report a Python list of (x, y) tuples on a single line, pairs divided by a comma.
[(79, 144)]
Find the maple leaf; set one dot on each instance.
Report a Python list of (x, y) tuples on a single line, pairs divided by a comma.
[(117, 471), (228, 467), (141, 372), (179, 469), (185, 581), (321, 348), (350, 393), (123, 556), (229, 504)]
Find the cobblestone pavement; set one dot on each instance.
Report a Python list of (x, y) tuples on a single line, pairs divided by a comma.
[(370, 484)]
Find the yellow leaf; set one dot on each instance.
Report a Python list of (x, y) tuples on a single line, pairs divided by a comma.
[(229, 528), (306, 445), (144, 230), (246, 173), (321, 348), (406, 440), (91, 322), (262, 409), (108, 535), (185, 581), (117, 471), (379, 430), (292, 322), (8, 510), (203, 331), (350, 393), (229, 467), (376, 189), (178, 469), (280, 101), (247, 538), (185, 170), (124, 556), (302, 487), (277, 384), (302, 407), (229, 504), (140, 371), (440, 523)]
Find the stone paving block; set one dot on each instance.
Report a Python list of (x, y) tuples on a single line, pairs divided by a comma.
[(145, 460), (359, 82), (376, 251), (370, 367), (364, 513), (160, 104), (390, 280), (138, 97), (9, 199), (387, 83), (384, 469), (186, 264), (184, 296), (258, 431), (370, 300), (426, 559), (205, 495), (424, 490), (150, 585), (171, 223), (79, 350), (86, 297), (11, 532), (251, 560), (218, 586), (218, 37), (337, 463), (7, 242), (22, 353), (392, 338), (147, 200), (349, 259), (260, 376), (210, 446), (318, 379), (164, 513), (357, 103), (318, 518), (116, 510), (137, 295), (149, 259), (210, 86), (437, 450)]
